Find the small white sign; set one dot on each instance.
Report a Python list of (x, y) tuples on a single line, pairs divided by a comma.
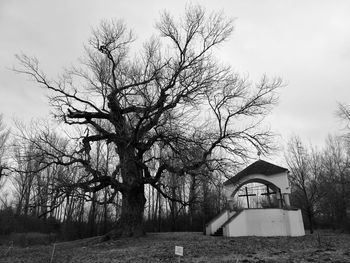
[(179, 251)]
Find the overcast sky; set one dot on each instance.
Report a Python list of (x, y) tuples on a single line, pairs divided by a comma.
[(307, 43)]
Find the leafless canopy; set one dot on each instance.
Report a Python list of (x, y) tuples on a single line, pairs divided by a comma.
[(155, 105)]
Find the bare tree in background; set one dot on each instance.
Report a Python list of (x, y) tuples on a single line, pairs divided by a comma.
[(344, 112), (304, 172), (335, 182), (4, 135), (133, 100)]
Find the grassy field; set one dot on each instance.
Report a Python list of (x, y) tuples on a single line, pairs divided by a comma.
[(159, 247)]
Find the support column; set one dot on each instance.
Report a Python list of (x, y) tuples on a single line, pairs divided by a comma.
[(230, 204), (286, 200), (279, 199)]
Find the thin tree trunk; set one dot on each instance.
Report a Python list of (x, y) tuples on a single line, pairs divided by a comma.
[(159, 212), (105, 212), (311, 224), (92, 215), (149, 203)]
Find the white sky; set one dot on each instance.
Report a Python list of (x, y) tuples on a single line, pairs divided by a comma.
[(307, 43)]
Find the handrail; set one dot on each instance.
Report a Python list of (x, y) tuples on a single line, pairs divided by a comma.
[(233, 217), (216, 217)]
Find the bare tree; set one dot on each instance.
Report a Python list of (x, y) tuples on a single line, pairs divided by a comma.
[(336, 181), (4, 135), (304, 168), (344, 111), (134, 101)]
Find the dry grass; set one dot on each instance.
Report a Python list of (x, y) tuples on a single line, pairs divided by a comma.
[(331, 247)]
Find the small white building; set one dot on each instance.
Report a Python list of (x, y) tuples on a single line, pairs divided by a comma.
[(281, 221)]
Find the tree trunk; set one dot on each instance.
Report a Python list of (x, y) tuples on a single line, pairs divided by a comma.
[(92, 216), (192, 200), (133, 204), (130, 223), (159, 211), (311, 223), (149, 204), (173, 206), (311, 219), (105, 213)]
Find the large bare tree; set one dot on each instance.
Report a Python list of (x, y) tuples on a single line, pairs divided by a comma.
[(169, 97)]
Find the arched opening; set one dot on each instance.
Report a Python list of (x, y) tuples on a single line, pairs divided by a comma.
[(255, 193)]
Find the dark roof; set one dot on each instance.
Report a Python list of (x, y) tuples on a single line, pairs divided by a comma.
[(259, 167)]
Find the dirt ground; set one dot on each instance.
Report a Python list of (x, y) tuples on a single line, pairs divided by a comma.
[(159, 247)]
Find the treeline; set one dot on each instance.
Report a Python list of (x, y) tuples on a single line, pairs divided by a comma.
[(191, 202), (38, 197), (320, 182)]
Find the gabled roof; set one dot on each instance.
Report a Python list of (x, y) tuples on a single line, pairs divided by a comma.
[(258, 167)]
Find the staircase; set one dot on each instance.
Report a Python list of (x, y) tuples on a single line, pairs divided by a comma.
[(213, 226), (216, 226), (219, 232)]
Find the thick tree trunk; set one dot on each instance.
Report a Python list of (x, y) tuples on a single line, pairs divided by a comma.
[(130, 223), (133, 205)]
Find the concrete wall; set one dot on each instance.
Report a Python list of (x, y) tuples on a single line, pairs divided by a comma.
[(296, 223), (266, 222), (240, 222)]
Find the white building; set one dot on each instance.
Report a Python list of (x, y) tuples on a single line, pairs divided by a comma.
[(280, 221)]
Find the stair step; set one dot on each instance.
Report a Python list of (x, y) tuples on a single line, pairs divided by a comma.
[(219, 232)]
